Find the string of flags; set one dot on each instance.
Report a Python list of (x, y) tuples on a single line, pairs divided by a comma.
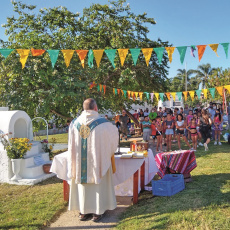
[(160, 96), (111, 54)]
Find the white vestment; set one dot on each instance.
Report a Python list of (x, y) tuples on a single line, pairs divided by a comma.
[(97, 195)]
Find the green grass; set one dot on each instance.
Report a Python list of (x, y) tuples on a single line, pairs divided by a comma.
[(60, 138), (204, 204)]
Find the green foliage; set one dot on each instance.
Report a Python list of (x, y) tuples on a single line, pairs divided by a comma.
[(42, 91)]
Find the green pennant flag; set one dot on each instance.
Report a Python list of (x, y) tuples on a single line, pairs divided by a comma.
[(225, 46), (162, 96), (90, 58), (182, 52), (125, 93), (212, 91), (147, 95), (198, 93), (135, 54), (115, 90), (111, 55), (179, 95), (53, 56), (5, 52), (98, 88), (159, 51)]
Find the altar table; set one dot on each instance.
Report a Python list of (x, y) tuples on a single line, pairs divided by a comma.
[(127, 179), (183, 161)]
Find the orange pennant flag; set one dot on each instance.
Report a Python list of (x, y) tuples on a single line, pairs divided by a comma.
[(185, 95), (113, 91), (141, 95), (68, 54), (98, 55), (214, 47), (192, 94), (220, 90), (173, 95), (23, 56), (147, 54), (92, 85), (201, 49), (104, 87), (227, 87), (122, 92), (157, 96), (128, 92), (82, 54), (36, 52), (122, 54), (168, 96), (170, 51), (118, 91), (100, 87)]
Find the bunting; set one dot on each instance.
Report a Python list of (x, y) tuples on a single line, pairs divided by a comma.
[(193, 48), (6, 52), (168, 96), (214, 47), (227, 87), (174, 96), (68, 54), (225, 46), (212, 91), (90, 58), (182, 52), (122, 54), (128, 92), (147, 52), (98, 56), (151, 95), (118, 91), (157, 96), (201, 49), (141, 95), (198, 93), (170, 51), (125, 93), (220, 90), (23, 56), (147, 95), (36, 52), (104, 88), (159, 51), (161, 96), (192, 94), (82, 55), (136, 94), (135, 54), (53, 56), (205, 92), (111, 55), (179, 95), (185, 95)]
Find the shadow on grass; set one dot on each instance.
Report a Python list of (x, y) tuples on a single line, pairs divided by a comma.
[(204, 191)]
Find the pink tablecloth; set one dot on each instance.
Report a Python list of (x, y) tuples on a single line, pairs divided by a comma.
[(178, 161)]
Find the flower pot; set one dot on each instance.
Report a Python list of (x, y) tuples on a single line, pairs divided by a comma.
[(16, 165), (46, 168)]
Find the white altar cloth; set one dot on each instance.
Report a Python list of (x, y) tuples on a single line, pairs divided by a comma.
[(125, 168)]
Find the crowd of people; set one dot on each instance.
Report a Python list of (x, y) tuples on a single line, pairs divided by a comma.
[(166, 125)]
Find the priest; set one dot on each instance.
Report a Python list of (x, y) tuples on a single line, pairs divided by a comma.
[(91, 146)]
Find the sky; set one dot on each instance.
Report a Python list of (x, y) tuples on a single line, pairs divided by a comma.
[(181, 22)]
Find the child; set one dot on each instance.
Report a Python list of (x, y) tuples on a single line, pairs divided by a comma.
[(146, 129), (180, 126), (153, 129), (158, 133), (193, 132), (217, 125), (163, 129), (168, 125), (132, 130), (198, 128), (188, 119)]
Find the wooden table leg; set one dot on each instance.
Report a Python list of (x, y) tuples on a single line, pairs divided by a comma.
[(135, 187), (66, 190), (143, 176)]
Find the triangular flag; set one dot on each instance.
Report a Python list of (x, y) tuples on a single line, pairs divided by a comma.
[(168, 96), (111, 55), (201, 49), (92, 85), (212, 91), (129, 92), (214, 47), (147, 54), (220, 90), (122, 54), (159, 51), (118, 91), (115, 91), (147, 95), (136, 94), (192, 94), (198, 93), (68, 54), (170, 51), (141, 95), (125, 93), (225, 46), (173, 95), (122, 92), (36, 52), (82, 54), (100, 87), (161, 96), (185, 95), (179, 95), (182, 52), (23, 56), (193, 48), (98, 55), (151, 95), (227, 87), (53, 56), (90, 58), (205, 91), (6, 52), (104, 87), (135, 54), (157, 96)]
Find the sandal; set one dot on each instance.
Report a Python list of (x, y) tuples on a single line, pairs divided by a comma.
[(83, 217), (96, 218)]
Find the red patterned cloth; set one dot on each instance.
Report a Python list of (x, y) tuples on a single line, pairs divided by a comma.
[(181, 161)]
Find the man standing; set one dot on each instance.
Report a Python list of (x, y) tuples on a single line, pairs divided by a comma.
[(92, 143)]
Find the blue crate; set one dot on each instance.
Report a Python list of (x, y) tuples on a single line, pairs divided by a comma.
[(169, 185)]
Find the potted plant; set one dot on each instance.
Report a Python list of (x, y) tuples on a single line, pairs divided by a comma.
[(15, 148)]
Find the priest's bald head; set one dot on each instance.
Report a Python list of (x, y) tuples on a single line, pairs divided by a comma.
[(90, 104)]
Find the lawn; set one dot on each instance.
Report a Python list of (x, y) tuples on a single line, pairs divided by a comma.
[(60, 138)]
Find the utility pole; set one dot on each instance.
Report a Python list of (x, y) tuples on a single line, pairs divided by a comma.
[(185, 76)]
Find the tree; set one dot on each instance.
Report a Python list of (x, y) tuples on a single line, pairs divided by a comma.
[(42, 91)]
